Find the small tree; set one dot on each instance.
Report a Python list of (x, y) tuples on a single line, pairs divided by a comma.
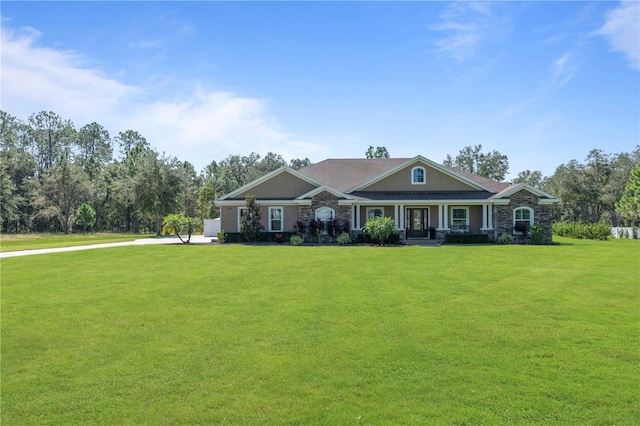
[(179, 223), (250, 225), (85, 217), (380, 228)]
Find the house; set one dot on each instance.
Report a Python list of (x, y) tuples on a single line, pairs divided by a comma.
[(417, 193)]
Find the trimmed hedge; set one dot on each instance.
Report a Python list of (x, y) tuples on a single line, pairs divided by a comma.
[(363, 238), (581, 230), (466, 239), (265, 237)]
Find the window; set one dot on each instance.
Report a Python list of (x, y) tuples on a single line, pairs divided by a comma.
[(325, 215), (460, 219), (276, 219), (523, 215), (240, 210), (373, 212), (418, 176)]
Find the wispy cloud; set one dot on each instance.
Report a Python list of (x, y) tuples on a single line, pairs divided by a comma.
[(562, 70), (466, 27), (199, 126), (622, 30), (38, 78)]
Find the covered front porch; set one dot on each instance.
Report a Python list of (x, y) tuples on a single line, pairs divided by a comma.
[(427, 220)]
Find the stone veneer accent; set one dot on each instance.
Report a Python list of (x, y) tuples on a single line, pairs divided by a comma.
[(503, 214), (324, 199)]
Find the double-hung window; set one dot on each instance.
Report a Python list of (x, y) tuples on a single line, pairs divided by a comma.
[(276, 219), (460, 219)]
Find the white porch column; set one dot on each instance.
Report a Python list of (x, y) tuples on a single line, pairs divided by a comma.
[(446, 216), (440, 222), (490, 216), (401, 215), (357, 216), (484, 217)]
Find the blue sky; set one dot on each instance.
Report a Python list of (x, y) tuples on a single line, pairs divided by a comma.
[(542, 82)]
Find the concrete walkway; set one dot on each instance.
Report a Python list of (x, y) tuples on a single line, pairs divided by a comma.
[(195, 239)]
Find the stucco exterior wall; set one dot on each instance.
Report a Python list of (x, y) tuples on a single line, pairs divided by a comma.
[(435, 181), (283, 186)]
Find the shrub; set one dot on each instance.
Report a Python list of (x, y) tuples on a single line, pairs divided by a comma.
[(581, 230), (537, 235), (299, 228), (343, 238), (466, 239), (222, 237), (380, 229), (250, 225), (505, 238), (295, 240)]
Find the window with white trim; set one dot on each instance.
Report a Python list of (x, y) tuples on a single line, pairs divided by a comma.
[(325, 215), (373, 212), (523, 215), (276, 219), (418, 176), (240, 210), (459, 219)]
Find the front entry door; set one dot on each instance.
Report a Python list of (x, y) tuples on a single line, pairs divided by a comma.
[(417, 223)]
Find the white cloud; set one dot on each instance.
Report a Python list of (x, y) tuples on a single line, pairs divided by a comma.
[(199, 127), (38, 78), (211, 125), (562, 70), (466, 27), (622, 30)]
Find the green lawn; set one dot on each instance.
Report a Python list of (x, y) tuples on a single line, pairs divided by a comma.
[(15, 242), (238, 334)]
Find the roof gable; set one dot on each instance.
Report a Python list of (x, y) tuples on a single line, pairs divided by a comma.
[(512, 189), (424, 162), (284, 183)]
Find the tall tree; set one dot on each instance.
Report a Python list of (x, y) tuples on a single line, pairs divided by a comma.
[(378, 152), (534, 178), (589, 191), (51, 138), (63, 190), (157, 186), (17, 169), (471, 159), (629, 204), (95, 149), (134, 147), (299, 163)]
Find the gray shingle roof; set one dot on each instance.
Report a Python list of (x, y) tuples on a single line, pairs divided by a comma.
[(344, 174)]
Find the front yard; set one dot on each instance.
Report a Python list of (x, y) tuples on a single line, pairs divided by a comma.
[(237, 334)]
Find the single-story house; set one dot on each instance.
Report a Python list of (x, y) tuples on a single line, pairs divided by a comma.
[(424, 198)]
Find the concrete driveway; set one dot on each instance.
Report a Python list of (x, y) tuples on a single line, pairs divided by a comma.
[(195, 239)]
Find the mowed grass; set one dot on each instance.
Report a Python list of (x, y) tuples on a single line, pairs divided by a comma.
[(240, 334), (15, 242)]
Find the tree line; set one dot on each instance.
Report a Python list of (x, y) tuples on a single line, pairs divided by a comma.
[(55, 177)]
